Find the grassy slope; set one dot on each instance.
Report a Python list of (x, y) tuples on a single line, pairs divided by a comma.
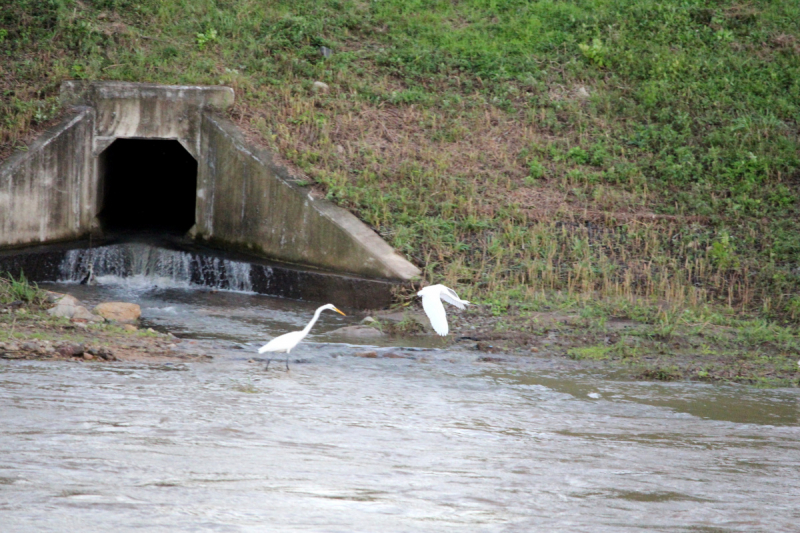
[(633, 158)]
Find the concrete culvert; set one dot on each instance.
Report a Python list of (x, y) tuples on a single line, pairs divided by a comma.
[(148, 185), (162, 159)]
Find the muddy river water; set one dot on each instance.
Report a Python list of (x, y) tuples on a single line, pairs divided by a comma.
[(430, 440)]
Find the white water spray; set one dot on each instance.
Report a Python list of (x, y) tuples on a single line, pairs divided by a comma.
[(143, 266)]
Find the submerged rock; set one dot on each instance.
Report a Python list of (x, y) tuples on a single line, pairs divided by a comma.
[(358, 332)]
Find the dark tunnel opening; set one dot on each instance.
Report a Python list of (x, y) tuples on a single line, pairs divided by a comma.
[(147, 186)]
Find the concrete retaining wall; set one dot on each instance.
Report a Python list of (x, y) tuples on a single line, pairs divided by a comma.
[(49, 193), (247, 202)]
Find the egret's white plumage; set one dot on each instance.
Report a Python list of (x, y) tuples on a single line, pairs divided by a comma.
[(287, 341), (432, 297)]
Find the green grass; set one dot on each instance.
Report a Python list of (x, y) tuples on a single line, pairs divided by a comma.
[(639, 158), (20, 290)]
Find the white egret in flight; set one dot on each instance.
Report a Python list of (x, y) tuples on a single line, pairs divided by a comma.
[(432, 297), (287, 341)]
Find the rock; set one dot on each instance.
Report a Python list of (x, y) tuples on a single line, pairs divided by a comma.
[(488, 359), (486, 347), (70, 350), (406, 315), (53, 297), (368, 355), (320, 87), (130, 327), (582, 93), (81, 313), (65, 306), (70, 307), (391, 316), (368, 320), (102, 353), (358, 332), (88, 356), (325, 51), (124, 313)]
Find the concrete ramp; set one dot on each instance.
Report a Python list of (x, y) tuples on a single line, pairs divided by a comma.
[(76, 179)]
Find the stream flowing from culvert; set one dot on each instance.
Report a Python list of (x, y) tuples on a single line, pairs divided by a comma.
[(423, 439)]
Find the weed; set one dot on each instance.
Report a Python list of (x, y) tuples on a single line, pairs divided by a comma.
[(13, 290), (206, 38), (662, 374), (408, 326), (595, 52), (596, 353)]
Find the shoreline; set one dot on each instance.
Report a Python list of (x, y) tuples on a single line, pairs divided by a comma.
[(683, 352), (710, 354)]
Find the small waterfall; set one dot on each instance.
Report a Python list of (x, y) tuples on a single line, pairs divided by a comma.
[(142, 266)]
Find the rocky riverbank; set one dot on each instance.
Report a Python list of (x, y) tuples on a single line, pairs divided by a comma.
[(59, 327)]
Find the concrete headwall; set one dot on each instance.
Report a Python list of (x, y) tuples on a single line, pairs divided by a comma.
[(246, 201), (49, 192), (145, 110)]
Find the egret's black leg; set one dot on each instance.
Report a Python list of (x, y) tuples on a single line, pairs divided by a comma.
[(287, 361), (268, 362)]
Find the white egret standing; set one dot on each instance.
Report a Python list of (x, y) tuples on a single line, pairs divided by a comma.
[(432, 297), (287, 341)]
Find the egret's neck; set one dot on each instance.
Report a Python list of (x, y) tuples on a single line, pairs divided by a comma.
[(313, 321)]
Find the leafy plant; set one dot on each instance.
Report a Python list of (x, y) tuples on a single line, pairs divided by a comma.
[(206, 38), (595, 52)]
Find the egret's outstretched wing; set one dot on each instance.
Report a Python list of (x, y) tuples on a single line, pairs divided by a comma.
[(284, 343), (435, 310), (450, 296)]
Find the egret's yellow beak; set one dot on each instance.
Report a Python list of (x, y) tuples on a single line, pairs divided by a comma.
[(335, 309)]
